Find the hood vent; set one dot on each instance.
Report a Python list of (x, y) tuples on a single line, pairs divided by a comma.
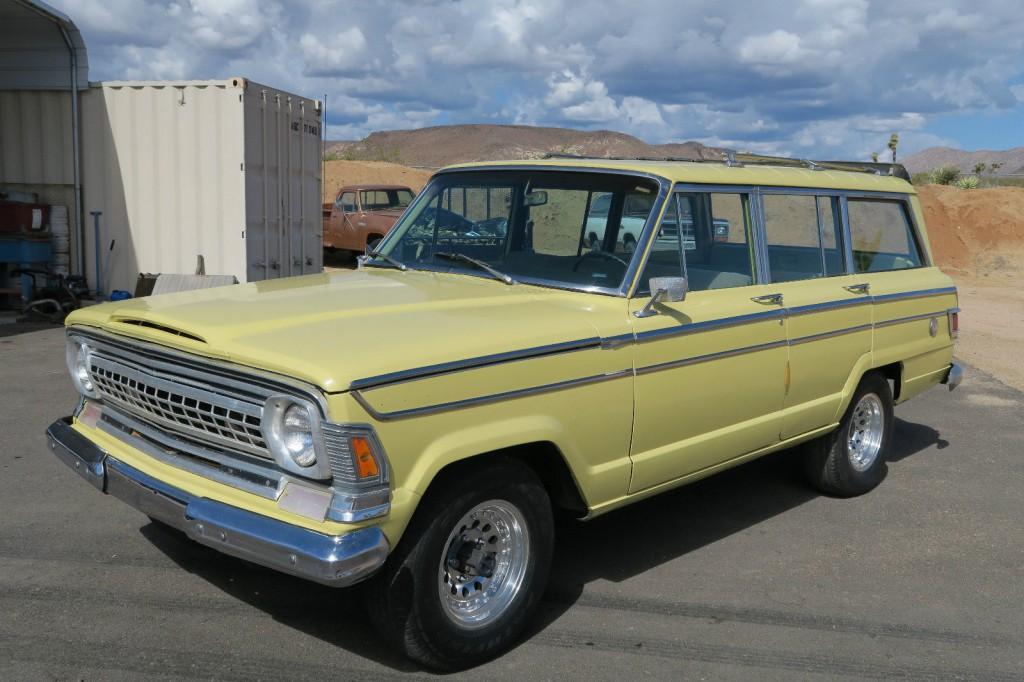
[(162, 328)]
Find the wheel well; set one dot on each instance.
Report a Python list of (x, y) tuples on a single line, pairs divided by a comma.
[(894, 373), (371, 237), (547, 463)]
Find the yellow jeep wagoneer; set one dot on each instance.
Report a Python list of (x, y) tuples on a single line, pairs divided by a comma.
[(507, 353)]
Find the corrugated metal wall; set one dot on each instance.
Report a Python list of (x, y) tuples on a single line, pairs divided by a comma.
[(35, 147), (35, 137), (283, 176), (176, 167)]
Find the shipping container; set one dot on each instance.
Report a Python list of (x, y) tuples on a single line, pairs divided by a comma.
[(229, 170)]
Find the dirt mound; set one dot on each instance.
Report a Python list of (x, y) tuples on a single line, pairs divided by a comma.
[(977, 232), (341, 173), (443, 145)]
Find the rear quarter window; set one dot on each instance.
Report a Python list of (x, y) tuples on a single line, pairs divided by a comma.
[(882, 237)]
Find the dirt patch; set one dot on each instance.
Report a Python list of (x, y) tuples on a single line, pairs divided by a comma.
[(341, 173), (991, 327), (976, 233)]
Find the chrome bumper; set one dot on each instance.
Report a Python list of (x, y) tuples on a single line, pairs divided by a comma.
[(335, 560), (954, 375)]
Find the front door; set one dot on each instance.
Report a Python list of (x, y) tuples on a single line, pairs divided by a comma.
[(710, 370)]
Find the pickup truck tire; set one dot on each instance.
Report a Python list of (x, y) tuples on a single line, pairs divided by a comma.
[(851, 460), (470, 569)]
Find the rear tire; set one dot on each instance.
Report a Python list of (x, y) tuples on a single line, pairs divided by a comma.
[(470, 569), (851, 460)]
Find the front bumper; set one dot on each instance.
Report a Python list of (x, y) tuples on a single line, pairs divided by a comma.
[(335, 560), (954, 375)]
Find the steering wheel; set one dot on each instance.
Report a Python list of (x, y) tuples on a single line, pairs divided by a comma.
[(598, 254)]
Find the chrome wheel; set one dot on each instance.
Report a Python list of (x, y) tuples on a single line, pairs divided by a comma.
[(867, 426), (483, 563)]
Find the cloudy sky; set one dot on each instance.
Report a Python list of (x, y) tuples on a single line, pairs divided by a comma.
[(805, 77)]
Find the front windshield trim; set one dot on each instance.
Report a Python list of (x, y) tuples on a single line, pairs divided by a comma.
[(626, 285)]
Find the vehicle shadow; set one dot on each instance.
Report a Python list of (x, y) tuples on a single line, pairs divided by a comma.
[(613, 547)]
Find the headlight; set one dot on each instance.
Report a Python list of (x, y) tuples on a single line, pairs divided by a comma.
[(291, 428), (78, 366)]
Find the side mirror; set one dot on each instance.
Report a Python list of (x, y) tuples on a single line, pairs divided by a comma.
[(663, 290), (535, 198)]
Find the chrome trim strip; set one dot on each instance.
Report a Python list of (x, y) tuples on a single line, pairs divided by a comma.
[(334, 560), (473, 363), (828, 305), (486, 399), (708, 325), (907, 295), (225, 470), (828, 335), (672, 364), (910, 318), (641, 337)]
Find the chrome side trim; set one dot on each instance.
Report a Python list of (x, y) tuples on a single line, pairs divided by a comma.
[(829, 335), (641, 337), (473, 363), (334, 560), (828, 305), (486, 399), (708, 325), (910, 318), (710, 356), (907, 295)]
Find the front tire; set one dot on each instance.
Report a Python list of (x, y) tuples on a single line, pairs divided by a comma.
[(470, 569), (851, 460)]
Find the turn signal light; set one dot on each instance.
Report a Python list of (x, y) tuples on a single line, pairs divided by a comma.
[(362, 452)]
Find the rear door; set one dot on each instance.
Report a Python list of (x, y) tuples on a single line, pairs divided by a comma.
[(828, 312), (710, 368)]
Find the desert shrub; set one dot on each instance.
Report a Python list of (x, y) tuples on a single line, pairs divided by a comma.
[(968, 182), (922, 178), (944, 175)]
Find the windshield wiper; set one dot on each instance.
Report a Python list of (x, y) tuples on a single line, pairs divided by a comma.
[(383, 256), (479, 264)]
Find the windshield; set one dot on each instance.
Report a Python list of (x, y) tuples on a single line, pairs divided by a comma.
[(577, 229), (384, 199)]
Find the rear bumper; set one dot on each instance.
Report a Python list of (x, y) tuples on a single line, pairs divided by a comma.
[(335, 560), (954, 375)]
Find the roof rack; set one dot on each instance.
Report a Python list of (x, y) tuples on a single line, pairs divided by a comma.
[(736, 159)]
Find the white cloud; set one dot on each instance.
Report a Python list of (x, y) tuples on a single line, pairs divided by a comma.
[(814, 77), (777, 47)]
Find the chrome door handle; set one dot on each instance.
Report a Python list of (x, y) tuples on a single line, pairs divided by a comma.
[(768, 299), (862, 288)]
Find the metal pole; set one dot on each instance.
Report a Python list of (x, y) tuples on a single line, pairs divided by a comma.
[(96, 234)]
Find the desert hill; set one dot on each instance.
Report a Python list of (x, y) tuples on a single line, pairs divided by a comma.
[(443, 145), (933, 157)]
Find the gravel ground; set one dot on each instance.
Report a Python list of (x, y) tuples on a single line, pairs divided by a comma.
[(747, 574)]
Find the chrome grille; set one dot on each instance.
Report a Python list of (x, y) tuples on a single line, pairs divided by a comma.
[(191, 411)]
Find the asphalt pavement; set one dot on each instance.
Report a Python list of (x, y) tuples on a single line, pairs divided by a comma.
[(748, 574)]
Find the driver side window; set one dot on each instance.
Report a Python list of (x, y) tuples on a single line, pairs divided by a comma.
[(347, 202)]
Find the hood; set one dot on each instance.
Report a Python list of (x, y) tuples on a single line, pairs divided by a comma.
[(331, 329)]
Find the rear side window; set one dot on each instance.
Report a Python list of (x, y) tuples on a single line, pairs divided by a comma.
[(712, 231), (881, 236), (803, 237)]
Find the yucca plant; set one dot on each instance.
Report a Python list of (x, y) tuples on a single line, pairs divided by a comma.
[(968, 182), (944, 175)]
